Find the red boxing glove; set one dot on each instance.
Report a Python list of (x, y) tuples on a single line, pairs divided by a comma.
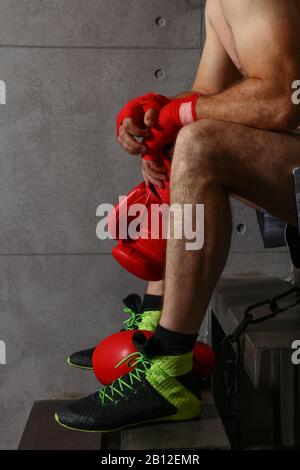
[(137, 108), (143, 256), (172, 118), (119, 219)]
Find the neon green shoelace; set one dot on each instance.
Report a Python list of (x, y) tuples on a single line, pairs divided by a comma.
[(133, 320), (117, 387)]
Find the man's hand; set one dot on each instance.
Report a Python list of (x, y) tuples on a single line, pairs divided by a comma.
[(135, 119), (128, 132), (154, 172), (171, 119)]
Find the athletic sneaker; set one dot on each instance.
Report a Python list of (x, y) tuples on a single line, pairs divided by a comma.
[(143, 318), (160, 388)]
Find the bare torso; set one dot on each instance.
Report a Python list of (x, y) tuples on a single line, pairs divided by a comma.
[(219, 10), (224, 32)]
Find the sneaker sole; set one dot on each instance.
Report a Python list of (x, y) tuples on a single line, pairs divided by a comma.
[(77, 367), (156, 420)]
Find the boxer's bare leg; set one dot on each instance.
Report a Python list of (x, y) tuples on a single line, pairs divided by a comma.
[(211, 160), (156, 288)]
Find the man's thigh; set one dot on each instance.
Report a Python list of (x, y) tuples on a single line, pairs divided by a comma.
[(257, 165)]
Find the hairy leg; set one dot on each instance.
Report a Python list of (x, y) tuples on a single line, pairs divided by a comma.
[(213, 159), (156, 288)]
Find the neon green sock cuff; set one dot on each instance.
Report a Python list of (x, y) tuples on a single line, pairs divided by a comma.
[(162, 376), (149, 320)]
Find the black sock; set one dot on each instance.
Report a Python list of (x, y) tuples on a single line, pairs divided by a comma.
[(174, 343), (152, 302), (166, 343)]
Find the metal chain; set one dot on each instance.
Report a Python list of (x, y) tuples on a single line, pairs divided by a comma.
[(231, 346)]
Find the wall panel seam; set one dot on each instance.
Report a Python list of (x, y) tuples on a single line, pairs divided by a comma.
[(28, 46)]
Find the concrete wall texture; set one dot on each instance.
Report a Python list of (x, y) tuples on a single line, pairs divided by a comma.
[(68, 66)]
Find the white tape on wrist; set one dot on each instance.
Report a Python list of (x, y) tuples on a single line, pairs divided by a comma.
[(186, 113)]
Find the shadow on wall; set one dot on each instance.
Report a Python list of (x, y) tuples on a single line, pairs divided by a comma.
[(194, 4)]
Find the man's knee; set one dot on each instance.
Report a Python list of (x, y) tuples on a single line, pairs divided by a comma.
[(197, 151), (203, 129)]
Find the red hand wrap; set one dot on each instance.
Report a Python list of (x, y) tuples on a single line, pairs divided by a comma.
[(172, 118), (137, 108)]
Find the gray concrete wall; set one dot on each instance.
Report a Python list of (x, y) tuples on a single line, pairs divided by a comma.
[(69, 65)]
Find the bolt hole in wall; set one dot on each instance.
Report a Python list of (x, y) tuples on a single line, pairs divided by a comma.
[(161, 22), (241, 229), (160, 74)]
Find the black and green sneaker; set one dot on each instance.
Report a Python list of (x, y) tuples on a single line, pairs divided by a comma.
[(140, 318), (161, 388)]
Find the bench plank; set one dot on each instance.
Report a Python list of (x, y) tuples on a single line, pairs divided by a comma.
[(204, 433), (42, 432)]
